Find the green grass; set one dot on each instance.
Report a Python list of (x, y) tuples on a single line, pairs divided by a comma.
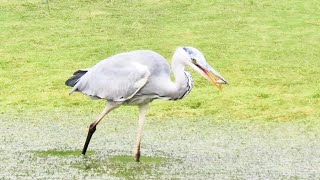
[(61, 153), (129, 159), (264, 125), (268, 50), (124, 166), (115, 159), (119, 166)]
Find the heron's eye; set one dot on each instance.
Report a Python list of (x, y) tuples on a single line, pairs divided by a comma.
[(194, 61)]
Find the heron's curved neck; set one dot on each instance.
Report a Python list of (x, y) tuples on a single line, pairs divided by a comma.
[(183, 79)]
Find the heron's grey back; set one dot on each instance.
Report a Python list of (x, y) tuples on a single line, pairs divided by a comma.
[(120, 77)]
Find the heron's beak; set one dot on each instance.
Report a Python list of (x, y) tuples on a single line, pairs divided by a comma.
[(213, 76)]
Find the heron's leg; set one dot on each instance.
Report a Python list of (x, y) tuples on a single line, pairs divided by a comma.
[(110, 106), (142, 114)]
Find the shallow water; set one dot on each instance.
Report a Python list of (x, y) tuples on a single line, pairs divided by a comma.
[(49, 146)]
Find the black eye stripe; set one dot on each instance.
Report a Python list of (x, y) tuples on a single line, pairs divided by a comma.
[(200, 67)]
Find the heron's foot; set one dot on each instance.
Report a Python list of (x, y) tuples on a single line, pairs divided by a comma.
[(137, 157)]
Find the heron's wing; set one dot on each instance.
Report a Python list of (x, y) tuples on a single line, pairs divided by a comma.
[(118, 83)]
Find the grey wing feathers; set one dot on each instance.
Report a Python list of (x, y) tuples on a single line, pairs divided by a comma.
[(76, 77), (113, 83)]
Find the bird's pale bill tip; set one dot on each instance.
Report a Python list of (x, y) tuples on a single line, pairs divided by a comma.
[(218, 86)]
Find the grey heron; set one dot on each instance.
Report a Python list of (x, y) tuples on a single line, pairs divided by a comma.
[(139, 77)]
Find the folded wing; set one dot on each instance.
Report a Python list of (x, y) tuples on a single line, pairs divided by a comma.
[(114, 84)]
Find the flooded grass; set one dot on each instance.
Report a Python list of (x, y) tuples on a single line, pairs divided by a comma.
[(202, 148)]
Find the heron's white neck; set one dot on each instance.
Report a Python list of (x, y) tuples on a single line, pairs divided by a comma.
[(183, 79)]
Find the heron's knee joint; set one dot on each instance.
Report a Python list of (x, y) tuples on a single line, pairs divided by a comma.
[(92, 128)]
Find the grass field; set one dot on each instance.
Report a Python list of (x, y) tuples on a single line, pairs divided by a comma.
[(267, 50)]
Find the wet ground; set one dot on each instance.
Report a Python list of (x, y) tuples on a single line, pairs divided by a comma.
[(48, 147)]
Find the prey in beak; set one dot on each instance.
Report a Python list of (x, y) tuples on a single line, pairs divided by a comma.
[(211, 74)]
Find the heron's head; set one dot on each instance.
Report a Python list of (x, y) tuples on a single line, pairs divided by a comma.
[(197, 61)]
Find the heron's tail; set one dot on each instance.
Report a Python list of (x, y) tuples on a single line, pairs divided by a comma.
[(75, 78)]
